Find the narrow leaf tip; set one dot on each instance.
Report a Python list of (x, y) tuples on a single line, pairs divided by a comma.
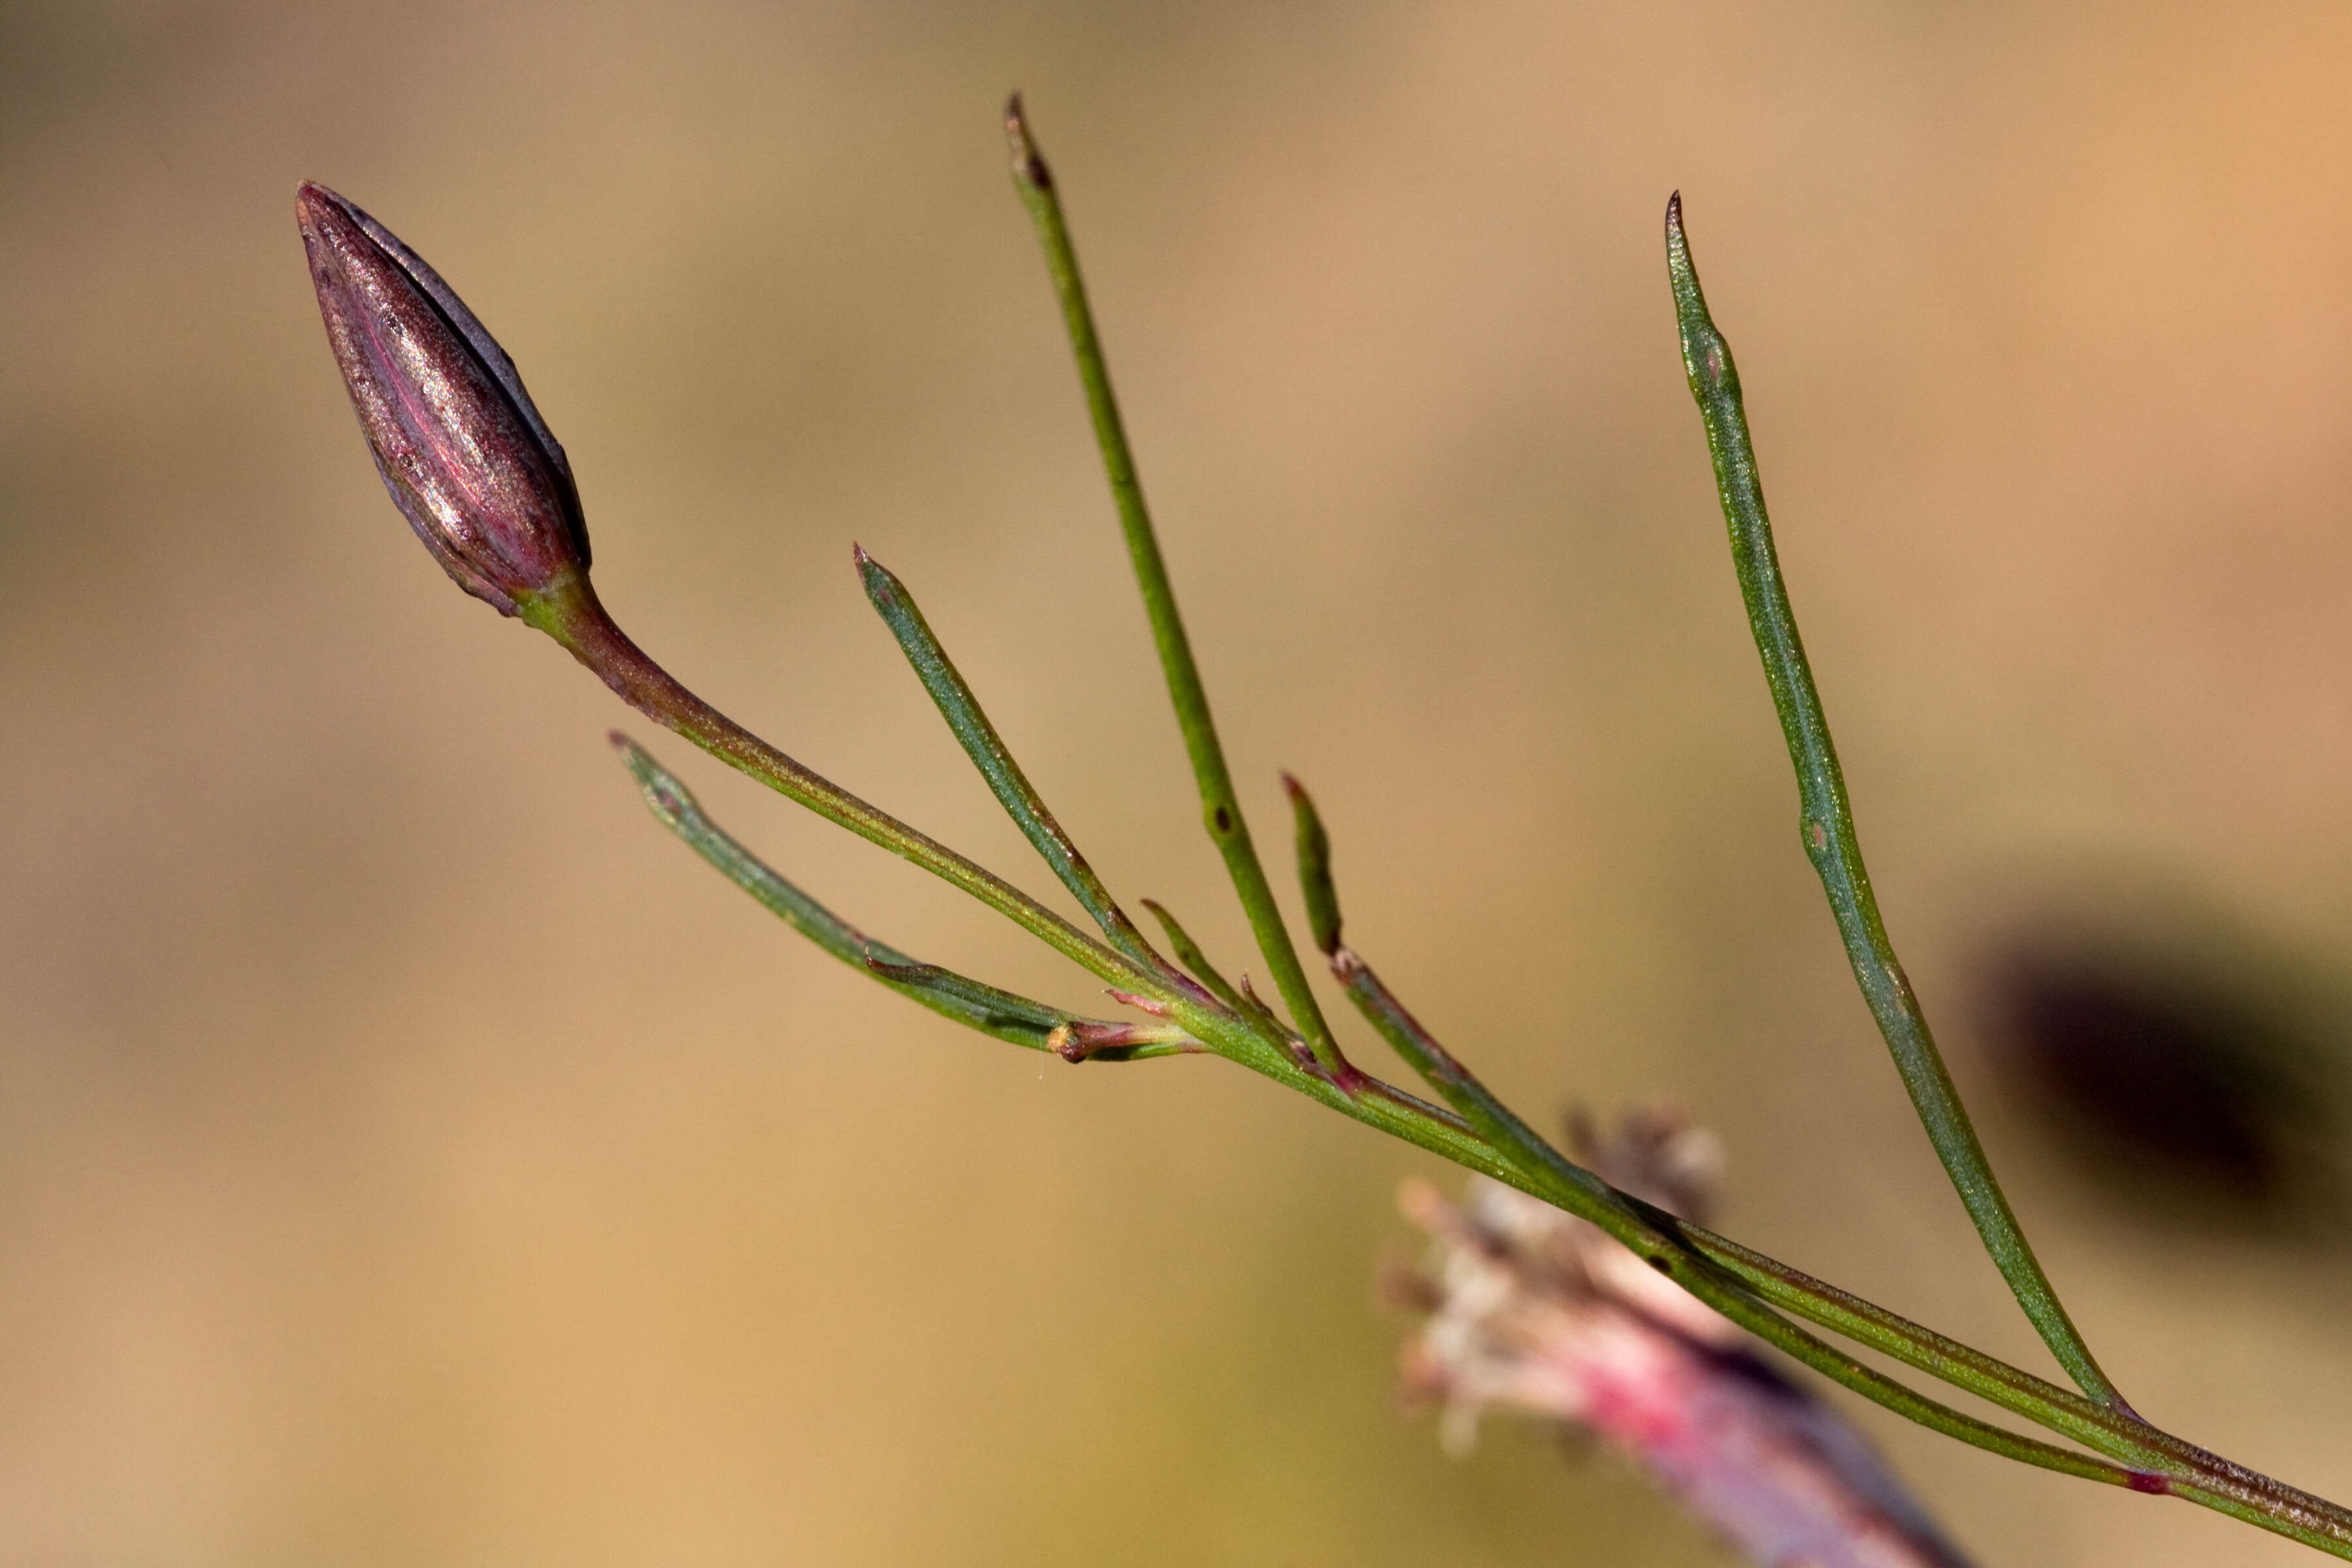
[(1028, 165)]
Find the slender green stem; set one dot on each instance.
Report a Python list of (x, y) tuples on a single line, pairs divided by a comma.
[(2061, 1409), (1220, 808), (571, 613), (1826, 824), (2188, 1470), (980, 743)]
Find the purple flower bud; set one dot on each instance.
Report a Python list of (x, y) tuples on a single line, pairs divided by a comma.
[(466, 458)]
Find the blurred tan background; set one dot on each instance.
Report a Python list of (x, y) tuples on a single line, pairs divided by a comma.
[(409, 1154)]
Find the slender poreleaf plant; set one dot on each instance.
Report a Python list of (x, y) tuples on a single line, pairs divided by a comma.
[(486, 487)]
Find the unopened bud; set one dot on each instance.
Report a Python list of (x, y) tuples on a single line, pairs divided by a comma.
[(466, 455)]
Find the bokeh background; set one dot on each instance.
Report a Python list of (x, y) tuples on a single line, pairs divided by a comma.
[(409, 1154)]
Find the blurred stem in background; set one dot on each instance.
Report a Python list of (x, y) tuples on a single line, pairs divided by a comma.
[(488, 489)]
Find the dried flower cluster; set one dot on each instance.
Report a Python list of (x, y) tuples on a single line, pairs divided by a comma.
[(1529, 1308)]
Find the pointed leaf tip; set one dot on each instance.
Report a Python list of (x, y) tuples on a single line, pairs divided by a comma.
[(1677, 243), (1028, 165), (882, 585), (1314, 869)]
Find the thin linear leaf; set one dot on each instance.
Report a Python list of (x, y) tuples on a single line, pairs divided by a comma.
[(986, 749), (1826, 824), (991, 1011)]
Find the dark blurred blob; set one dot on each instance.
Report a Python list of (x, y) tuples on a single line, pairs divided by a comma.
[(2190, 1079)]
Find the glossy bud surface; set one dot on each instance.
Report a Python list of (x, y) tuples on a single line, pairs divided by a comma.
[(466, 455)]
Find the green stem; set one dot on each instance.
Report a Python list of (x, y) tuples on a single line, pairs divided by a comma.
[(1221, 809), (2111, 1431), (2187, 1468), (1826, 824)]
